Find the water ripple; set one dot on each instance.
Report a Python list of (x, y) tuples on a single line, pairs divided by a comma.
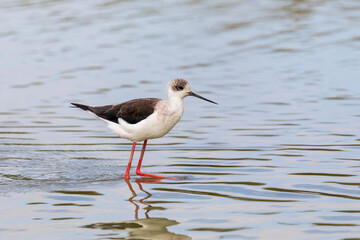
[(279, 154)]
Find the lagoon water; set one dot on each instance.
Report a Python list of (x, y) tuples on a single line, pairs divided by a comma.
[(278, 158)]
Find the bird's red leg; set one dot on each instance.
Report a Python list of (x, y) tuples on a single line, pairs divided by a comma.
[(138, 171), (127, 173)]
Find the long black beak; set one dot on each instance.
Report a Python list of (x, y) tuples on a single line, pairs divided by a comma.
[(198, 96)]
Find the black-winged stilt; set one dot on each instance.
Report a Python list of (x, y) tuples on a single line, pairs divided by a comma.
[(145, 118)]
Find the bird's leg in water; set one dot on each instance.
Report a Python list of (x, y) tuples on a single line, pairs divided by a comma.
[(127, 173), (138, 171)]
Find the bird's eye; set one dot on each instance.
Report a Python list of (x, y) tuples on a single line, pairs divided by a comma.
[(181, 87)]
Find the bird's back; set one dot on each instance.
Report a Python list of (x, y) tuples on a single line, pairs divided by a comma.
[(132, 111)]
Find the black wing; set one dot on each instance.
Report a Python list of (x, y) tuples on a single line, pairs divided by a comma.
[(132, 111)]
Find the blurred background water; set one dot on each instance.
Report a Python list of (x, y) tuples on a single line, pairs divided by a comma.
[(278, 157)]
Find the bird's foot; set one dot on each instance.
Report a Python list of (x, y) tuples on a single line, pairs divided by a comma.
[(152, 175)]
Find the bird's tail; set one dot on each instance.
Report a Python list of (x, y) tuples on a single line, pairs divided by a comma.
[(82, 106)]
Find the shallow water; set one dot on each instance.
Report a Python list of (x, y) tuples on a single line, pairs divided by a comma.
[(277, 156)]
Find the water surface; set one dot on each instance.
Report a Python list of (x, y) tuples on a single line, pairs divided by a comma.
[(277, 156)]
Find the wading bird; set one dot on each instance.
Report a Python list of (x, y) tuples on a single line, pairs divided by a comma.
[(145, 118)]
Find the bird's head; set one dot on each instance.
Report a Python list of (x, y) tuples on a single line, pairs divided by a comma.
[(180, 88)]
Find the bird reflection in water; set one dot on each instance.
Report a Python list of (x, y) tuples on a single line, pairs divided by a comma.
[(139, 182), (143, 228)]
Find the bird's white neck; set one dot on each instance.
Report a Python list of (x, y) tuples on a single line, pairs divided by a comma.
[(175, 104)]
